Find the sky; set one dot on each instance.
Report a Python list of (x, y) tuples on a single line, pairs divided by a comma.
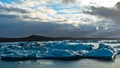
[(60, 18)]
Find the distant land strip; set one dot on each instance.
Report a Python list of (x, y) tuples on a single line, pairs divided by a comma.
[(43, 38)]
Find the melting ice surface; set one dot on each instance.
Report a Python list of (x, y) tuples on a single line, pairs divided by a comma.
[(66, 49)]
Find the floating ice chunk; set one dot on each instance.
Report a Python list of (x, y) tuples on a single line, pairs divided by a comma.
[(58, 50), (104, 51)]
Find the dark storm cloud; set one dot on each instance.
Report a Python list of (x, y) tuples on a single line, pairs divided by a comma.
[(11, 27), (112, 14), (103, 11), (108, 13)]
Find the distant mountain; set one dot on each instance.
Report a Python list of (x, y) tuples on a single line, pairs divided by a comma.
[(29, 38), (43, 38)]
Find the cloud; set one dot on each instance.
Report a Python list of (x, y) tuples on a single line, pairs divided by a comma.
[(40, 13), (16, 28), (10, 8), (111, 15), (11, 26), (54, 18), (68, 1), (108, 13), (36, 2)]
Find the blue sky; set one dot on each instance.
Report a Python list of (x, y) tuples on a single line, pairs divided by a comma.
[(63, 18), (8, 1)]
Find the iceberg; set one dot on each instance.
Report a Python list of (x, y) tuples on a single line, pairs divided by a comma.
[(61, 50), (102, 53)]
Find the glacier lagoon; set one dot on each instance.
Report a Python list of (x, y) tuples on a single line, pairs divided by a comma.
[(81, 63)]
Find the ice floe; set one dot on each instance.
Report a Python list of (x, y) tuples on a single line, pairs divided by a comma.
[(56, 50)]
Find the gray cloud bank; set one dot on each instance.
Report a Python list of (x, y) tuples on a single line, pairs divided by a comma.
[(12, 27)]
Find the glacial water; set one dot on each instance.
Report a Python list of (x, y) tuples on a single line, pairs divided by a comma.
[(83, 63)]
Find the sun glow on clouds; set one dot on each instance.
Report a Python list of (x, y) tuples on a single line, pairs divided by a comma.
[(105, 3), (75, 14)]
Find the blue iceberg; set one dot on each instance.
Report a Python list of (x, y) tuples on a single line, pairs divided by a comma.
[(58, 50)]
